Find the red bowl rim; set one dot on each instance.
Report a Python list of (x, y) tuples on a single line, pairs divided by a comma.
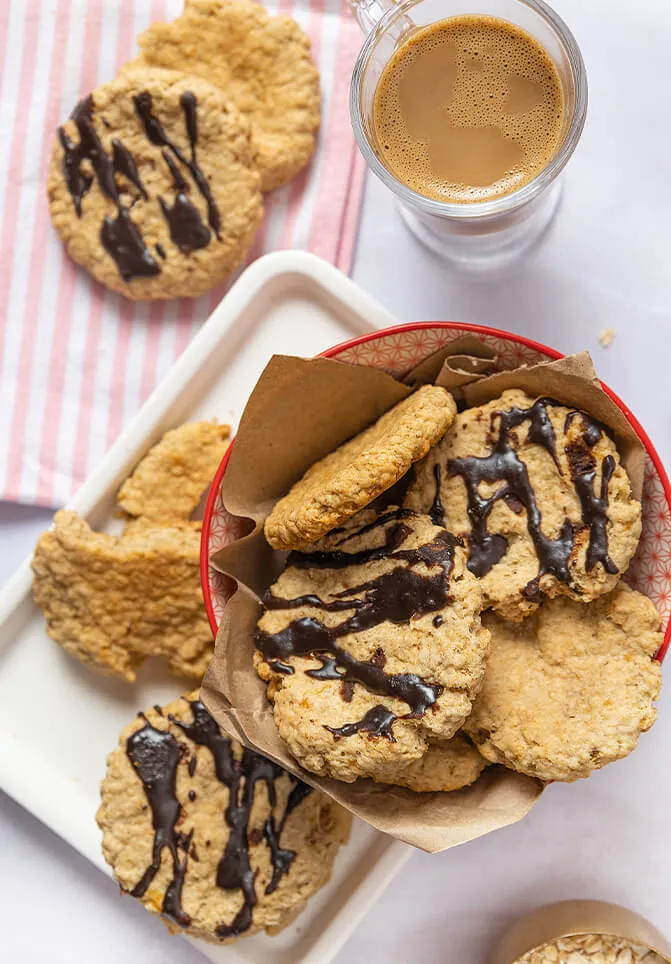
[(419, 326)]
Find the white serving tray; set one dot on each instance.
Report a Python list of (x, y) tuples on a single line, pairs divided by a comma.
[(53, 746)]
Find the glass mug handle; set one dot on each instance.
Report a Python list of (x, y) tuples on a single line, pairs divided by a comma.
[(369, 12)]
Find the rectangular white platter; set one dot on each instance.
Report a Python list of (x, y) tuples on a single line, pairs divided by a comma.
[(52, 758)]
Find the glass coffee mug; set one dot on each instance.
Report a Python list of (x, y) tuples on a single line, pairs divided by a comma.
[(480, 236)]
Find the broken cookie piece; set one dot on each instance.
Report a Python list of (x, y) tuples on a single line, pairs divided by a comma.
[(168, 483), (112, 603)]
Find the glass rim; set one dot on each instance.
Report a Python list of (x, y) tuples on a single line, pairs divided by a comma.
[(521, 195)]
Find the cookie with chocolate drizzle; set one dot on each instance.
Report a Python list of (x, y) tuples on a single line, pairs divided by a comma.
[(215, 838), (372, 643), (152, 187), (538, 492)]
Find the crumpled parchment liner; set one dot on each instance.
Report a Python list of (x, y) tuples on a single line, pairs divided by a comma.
[(300, 410)]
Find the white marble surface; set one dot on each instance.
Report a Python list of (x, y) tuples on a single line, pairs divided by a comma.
[(604, 265)]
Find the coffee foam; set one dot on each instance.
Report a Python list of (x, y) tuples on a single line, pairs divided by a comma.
[(468, 109)]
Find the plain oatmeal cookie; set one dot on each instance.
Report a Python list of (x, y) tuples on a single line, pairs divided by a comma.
[(263, 66), (571, 688), (446, 766), (220, 841), (372, 645), (540, 495), (360, 470), (114, 602), (152, 187)]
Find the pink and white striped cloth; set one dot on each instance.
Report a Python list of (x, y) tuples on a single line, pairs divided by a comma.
[(77, 361)]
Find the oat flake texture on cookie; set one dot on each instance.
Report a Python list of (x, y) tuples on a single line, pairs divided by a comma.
[(373, 632), (220, 841), (114, 602), (169, 481), (152, 187), (591, 949), (446, 766), (261, 63), (344, 481), (571, 688), (539, 493)]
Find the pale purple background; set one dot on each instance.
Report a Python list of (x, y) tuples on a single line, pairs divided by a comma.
[(606, 264)]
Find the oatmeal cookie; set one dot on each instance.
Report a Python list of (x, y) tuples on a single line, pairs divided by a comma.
[(539, 493), (112, 603), (167, 484), (446, 766), (571, 688), (263, 66), (347, 480), (214, 837), (372, 645), (152, 187)]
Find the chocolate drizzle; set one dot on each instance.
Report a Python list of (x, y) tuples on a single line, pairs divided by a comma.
[(594, 508), (155, 756), (156, 134), (396, 596), (504, 465), (89, 148), (377, 720), (187, 230), (123, 241), (123, 162), (437, 509), (120, 235), (186, 226), (189, 104), (394, 537)]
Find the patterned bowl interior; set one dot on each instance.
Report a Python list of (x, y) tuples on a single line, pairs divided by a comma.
[(396, 351)]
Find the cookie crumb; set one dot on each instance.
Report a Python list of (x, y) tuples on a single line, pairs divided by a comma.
[(606, 337)]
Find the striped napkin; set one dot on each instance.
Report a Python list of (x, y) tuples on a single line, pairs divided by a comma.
[(77, 361)]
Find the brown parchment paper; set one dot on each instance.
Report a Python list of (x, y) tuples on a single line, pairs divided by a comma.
[(299, 411), (453, 365)]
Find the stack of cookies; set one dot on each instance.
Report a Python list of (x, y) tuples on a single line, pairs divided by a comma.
[(156, 180), (475, 614), (217, 839)]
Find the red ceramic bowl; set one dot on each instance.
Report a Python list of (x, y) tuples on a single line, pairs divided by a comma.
[(398, 349)]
